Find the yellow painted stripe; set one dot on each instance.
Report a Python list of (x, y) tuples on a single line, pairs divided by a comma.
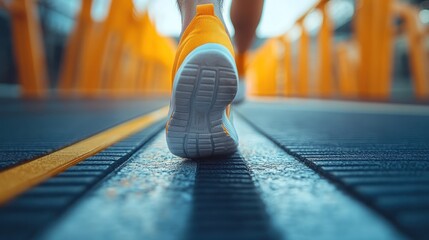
[(22, 177)]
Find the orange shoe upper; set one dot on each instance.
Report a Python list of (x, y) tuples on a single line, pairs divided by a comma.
[(205, 28)]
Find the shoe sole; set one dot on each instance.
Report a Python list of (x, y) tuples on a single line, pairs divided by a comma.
[(204, 86), (241, 93)]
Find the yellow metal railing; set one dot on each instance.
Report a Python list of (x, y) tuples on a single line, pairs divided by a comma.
[(28, 47), (360, 67), (123, 55), (120, 56), (289, 75), (416, 35)]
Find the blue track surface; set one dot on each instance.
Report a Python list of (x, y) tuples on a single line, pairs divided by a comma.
[(382, 158), (378, 155), (32, 129)]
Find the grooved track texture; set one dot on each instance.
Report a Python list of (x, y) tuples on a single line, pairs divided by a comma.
[(31, 129), (226, 202), (34, 210), (382, 159)]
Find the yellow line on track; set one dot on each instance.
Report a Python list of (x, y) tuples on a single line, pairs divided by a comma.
[(18, 179)]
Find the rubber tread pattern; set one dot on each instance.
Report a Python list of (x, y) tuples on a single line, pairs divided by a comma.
[(204, 86)]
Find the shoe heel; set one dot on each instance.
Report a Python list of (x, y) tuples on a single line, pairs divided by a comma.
[(204, 87)]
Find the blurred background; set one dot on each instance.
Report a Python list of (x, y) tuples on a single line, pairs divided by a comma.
[(341, 49), (111, 61)]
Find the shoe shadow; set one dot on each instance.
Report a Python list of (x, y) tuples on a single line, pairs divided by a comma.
[(226, 202)]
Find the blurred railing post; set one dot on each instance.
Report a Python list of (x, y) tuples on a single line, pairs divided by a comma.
[(263, 69), (90, 82), (386, 46), (374, 38), (74, 57), (288, 81), (28, 47), (303, 61), (121, 55), (148, 45), (347, 62), (325, 81), (416, 43)]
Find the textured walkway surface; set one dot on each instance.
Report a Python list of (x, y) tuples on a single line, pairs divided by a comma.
[(33, 129), (381, 157), (305, 170)]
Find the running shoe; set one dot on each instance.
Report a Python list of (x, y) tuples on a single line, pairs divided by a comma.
[(205, 83)]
